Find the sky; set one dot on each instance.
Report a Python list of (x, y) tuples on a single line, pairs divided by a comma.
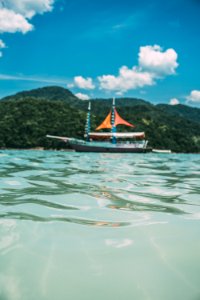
[(147, 49)]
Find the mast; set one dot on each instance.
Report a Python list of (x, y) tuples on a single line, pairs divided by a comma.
[(87, 125), (114, 128)]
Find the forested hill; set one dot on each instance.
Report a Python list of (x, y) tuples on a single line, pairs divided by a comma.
[(187, 112), (26, 118), (49, 93), (55, 93)]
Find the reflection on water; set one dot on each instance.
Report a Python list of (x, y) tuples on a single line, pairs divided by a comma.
[(99, 226)]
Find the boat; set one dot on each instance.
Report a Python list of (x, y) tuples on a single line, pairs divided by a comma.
[(112, 141), (161, 151)]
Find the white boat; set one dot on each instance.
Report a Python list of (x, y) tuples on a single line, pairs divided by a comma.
[(161, 151)]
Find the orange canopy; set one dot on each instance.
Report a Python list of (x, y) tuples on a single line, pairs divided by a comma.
[(106, 123), (119, 120)]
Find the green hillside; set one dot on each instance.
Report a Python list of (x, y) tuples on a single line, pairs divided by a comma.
[(187, 112), (27, 117), (49, 93)]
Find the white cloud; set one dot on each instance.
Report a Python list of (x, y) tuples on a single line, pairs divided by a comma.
[(194, 97), (84, 83), (13, 22), (2, 44), (126, 80), (28, 8), (70, 85), (35, 78), (174, 101), (120, 93), (157, 61), (153, 64), (15, 14), (82, 96)]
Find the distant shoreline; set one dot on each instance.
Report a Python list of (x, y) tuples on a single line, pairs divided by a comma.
[(71, 150), (35, 149)]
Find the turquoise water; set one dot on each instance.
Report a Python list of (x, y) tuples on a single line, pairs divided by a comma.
[(99, 226)]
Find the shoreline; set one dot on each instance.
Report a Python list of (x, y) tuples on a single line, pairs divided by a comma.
[(35, 149), (71, 150)]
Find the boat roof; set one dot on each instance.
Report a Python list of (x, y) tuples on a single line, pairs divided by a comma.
[(125, 135)]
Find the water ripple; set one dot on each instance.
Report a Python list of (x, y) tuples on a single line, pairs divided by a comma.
[(107, 190), (30, 217)]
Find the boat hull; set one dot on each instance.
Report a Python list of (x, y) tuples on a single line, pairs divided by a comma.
[(117, 149)]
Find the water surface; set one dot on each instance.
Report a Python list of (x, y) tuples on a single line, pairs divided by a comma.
[(99, 226)]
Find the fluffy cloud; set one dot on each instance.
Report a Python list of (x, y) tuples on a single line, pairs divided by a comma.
[(84, 83), (13, 22), (174, 101), (194, 97), (28, 8), (82, 96), (157, 61), (15, 14), (126, 80), (153, 64)]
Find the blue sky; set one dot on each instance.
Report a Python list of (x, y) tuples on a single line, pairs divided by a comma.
[(145, 49)]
